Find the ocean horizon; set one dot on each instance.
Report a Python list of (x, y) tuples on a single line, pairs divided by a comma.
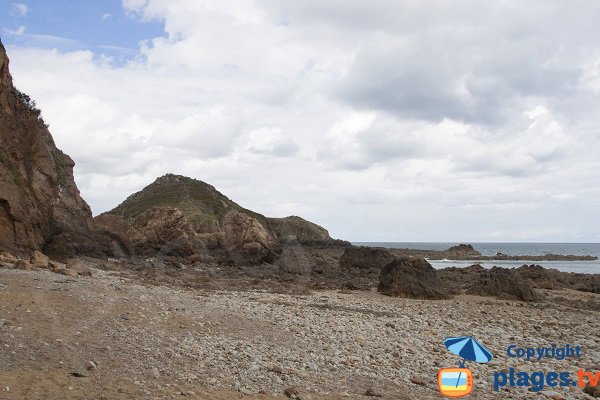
[(509, 248)]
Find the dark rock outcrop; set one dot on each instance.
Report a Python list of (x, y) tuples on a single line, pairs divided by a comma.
[(468, 252), (456, 280), (464, 249), (514, 283), (40, 205), (412, 278), (540, 277), (365, 258), (503, 283)]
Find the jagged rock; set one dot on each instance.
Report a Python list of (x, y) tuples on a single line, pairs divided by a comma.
[(246, 240), (159, 230), (365, 258), (503, 283), (40, 205), (413, 278), (543, 278), (456, 280), (165, 230), (39, 260)]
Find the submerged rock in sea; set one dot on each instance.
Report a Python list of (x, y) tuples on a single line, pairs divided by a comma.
[(412, 278)]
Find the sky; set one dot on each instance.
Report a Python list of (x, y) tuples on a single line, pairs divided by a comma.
[(381, 120)]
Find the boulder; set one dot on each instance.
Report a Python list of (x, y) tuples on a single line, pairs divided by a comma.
[(456, 280), (23, 264), (79, 266), (39, 260), (52, 265), (66, 272), (503, 283), (365, 258), (7, 260), (247, 241), (412, 278)]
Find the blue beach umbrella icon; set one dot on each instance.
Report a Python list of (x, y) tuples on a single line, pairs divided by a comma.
[(468, 348)]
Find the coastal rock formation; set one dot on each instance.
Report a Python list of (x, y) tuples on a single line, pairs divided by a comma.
[(165, 230), (517, 283), (464, 250), (549, 278), (365, 258), (498, 282), (246, 240), (294, 229), (542, 278), (40, 205), (412, 278), (468, 252), (503, 283), (180, 216), (455, 280)]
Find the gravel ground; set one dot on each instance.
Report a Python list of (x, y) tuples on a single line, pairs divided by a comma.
[(109, 337)]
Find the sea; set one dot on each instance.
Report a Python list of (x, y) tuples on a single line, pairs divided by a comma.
[(490, 249)]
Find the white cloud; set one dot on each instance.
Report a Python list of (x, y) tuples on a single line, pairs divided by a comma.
[(20, 31), (381, 120), (21, 9)]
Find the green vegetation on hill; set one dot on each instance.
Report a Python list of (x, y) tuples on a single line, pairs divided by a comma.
[(297, 228), (205, 207), (202, 204)]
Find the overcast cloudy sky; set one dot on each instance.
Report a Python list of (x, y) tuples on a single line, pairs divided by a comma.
[(379, 119)]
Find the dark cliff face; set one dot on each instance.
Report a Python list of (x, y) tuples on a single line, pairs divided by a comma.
[(40, 205)]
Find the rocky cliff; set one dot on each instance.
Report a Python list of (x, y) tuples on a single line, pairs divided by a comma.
[(177, 215), (40, 205)]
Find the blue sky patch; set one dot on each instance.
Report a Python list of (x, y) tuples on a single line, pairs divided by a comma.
[(100, 26)]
